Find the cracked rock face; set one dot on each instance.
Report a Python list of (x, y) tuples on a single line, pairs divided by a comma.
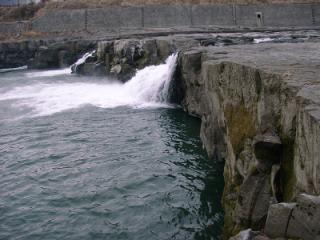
[(121, 58), (278, 219), (295, 220), (260, 115)]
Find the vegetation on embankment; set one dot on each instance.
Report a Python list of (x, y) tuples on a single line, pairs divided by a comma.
[(20, 13)]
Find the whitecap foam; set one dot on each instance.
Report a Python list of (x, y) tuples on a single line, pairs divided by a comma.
[(49, 73), (148, 88), (4, 70), (262, 40)]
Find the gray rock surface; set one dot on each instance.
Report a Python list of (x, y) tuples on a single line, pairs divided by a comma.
[(242, 94), (298, 220), (305, 220), (123, 57), (278, 219)]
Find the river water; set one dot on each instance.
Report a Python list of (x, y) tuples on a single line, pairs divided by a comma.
[(90, 158)]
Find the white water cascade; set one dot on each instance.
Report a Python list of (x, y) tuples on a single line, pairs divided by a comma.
[(82, 60), (51, 92)]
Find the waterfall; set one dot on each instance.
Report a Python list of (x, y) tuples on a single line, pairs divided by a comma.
[(151, 84), (49, 92), (82, 60)]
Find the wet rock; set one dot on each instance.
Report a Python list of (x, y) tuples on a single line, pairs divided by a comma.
[(65, 59), (116, 69), (107, 62), (91, 69), (129, 49), (103, 47), (45, 57)]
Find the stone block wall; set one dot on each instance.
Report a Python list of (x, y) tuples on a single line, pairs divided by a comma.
[(220, 15), (115, 18), (167, 16), (60, 21), (14, 28)]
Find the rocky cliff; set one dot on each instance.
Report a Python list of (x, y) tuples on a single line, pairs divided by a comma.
[(259, 106)]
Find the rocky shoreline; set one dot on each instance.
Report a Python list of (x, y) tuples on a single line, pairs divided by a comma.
[(259, 106), (260, 111)]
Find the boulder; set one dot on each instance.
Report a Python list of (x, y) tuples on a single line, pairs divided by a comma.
[(278, 218), (305, 220)]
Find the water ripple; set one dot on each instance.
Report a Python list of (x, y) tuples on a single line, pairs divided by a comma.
[(121, 173)]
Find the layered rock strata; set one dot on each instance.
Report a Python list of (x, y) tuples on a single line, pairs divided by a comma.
[(260, 111)]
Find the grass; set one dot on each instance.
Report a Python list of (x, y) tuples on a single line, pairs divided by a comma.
[(25, 12)]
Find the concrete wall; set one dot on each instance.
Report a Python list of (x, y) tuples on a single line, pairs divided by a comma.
[(167, 16), (14, 28), (113, 18), (280, 15), (60, 21), (316, 14), (288, 15), (219, 15)]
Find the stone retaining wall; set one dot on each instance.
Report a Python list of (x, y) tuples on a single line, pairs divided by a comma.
[(14, 28), (94, 20)]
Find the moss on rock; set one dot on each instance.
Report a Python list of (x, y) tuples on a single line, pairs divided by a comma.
[(240, 125)]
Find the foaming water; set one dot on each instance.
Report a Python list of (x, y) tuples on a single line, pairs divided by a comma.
[(148, 88), (4, 70), (49, 73), (263, 40), (83, 59)]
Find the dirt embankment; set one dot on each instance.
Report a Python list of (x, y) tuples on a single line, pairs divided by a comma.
[(25, 12)]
